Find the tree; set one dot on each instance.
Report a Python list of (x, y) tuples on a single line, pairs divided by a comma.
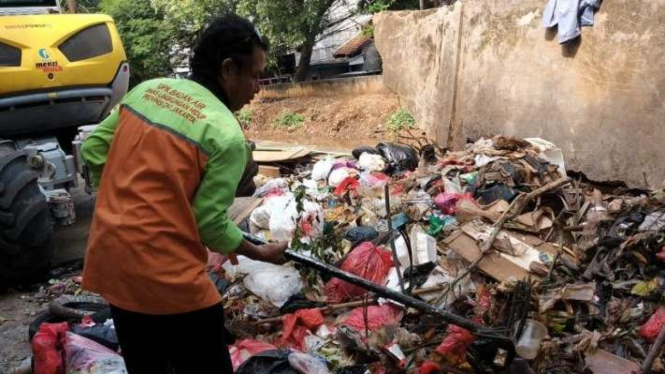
[(147, 38), (189, 17), (290, 24)]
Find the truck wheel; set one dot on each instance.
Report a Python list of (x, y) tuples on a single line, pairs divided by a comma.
[(26, 229)]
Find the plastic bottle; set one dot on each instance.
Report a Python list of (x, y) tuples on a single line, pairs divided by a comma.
[(528, 344)]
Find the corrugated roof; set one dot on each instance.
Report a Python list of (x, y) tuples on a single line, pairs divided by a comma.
[(352, 47)]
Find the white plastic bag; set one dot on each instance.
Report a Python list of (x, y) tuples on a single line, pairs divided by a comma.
[(277, 184), (84, 356), (284, 218), (371, 162), (321, 169), (306, 364), (337, 176), (272, 283)]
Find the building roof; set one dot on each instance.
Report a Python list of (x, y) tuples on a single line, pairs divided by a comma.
[(353, 46)]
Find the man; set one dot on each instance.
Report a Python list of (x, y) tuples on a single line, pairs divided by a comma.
[(168, 162)]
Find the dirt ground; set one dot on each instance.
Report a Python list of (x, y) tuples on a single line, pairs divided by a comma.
[(345, 122)]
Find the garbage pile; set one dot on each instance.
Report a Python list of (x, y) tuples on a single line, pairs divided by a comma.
[(514, 266)]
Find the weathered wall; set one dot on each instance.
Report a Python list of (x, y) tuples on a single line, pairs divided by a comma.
[(490, 68), (326, 88)]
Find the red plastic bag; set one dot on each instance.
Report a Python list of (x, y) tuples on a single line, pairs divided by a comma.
[(298, 325), (47, 348), (367, 261), (455, 344), (651, 328), (447, 202), (244, 349), (661, 255), (429, 367), (350, 184), (377, 316)]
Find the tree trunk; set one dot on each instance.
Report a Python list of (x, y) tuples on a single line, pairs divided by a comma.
[(422, 4), (303, 64), (71, 5)]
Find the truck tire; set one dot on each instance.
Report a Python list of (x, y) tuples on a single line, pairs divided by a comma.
[(26, 228)]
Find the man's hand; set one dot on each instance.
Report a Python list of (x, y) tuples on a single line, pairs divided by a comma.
[(274, 252)]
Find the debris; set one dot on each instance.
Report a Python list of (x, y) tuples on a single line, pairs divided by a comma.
[(47, 348), (84, 356), (241, 351), (603, 362), (367, 261), (489, 259)]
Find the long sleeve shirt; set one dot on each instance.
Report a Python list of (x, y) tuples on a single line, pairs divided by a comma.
[(167, 161)]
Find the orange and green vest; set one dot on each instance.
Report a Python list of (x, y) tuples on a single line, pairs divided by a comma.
[(167, 162)]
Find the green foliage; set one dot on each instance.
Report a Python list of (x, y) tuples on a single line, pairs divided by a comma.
[(147, 38), (402, 119), (376, 6), (288, 24), (245, 116), (290, 120)]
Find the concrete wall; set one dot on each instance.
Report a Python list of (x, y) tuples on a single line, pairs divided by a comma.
[(325, 88), (487, 67)]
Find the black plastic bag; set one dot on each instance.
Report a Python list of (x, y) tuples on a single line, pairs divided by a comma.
[(364, 149), (360, 234), (299, 301), (497, 192), (104, 335), (268, 362), (358, 369), (399, 157)]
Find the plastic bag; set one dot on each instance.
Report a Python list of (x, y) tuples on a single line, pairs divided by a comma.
[(377, 317), (371, 162), (276, 186), (306, 364), (321, 169), (399, 157), (350, 185), (337, 176), (244, 349), (367, 261), (268, 362), (274, 283), (429, 367), (298, 325), (284, 216), (652, 327), (364, 149), (47, 358), (360, 234), (84, 356), (447, 202), (99, 333), (372, 184), (456, 343)]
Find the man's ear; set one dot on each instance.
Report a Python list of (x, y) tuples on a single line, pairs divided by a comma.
[(229, 69)]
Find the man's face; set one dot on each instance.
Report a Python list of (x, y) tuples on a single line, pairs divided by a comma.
[(242, 83)]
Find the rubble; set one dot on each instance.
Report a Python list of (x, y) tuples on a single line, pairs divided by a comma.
[(500, 259)]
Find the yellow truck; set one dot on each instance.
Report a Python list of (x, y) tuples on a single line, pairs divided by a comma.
[(59, 74)]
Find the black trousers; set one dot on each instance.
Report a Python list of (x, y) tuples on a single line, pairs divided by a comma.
[(186, 343)]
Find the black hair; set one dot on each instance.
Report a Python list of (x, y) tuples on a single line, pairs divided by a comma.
[(229, 36)]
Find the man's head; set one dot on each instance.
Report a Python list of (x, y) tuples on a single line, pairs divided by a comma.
[(232, 53)]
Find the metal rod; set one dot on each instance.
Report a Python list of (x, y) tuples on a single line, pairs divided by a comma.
[(390, 294), (398, 266)]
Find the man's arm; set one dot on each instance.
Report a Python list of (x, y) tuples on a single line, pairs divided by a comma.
[(95, 148), (215, 195)]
